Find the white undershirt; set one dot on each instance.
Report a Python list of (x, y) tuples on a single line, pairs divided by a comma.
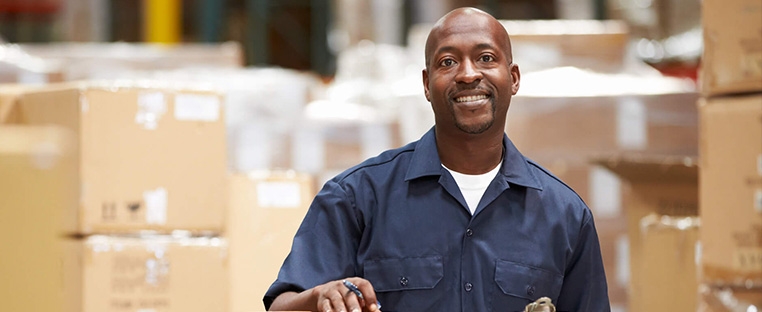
[(473, 186)]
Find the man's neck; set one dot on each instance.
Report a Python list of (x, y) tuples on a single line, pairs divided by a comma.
[(470, 154)]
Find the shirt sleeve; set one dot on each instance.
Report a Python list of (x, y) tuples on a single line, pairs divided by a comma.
[(324, 247), (584, 287)]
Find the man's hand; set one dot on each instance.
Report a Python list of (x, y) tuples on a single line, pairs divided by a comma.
[(335, 296)]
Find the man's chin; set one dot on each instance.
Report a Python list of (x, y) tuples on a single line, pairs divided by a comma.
[(474, 128)]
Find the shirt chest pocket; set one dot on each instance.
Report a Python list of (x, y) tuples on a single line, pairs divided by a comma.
[(399, 282), (519, 284)]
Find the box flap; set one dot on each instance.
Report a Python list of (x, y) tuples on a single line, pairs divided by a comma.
[(651, 168)]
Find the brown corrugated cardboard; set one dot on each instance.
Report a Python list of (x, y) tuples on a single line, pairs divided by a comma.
[(265, 211), (731, 189), (660, 257), (151, 273), (562, 132), (563, 125), (37, 199), (9, 96), (594, 44), (668, 266), (151, 158), (732, 54), (658, 20)]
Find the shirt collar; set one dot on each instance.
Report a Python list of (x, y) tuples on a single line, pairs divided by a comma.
[(515, 168)]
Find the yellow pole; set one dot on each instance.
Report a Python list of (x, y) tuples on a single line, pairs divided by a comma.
[(161, 21)]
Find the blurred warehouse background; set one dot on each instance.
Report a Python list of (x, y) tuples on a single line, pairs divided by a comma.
[(158, 155)]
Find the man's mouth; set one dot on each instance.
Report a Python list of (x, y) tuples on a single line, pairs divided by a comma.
[(470, 98)]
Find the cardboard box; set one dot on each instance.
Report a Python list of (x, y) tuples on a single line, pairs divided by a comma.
[(668, 265), (663, 273), (149, 158), (594, 44), (562, 133), (665, 124), (150, 273), (731, 189), (37, 199), (9, 97), (732, 54), (266, 209), (659, 20)]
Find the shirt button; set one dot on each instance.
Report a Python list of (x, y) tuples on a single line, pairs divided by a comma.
[(469, 232), (468, 286), (530, 290), (403, 281)]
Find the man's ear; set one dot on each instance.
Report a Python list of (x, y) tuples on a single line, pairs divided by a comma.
[(425, 75), (516, 75)]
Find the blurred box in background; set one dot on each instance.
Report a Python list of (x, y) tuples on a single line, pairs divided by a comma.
[(92, 60), (661, 210), (655, 123), (146, 273), (731, 190), (9, 98), (656, 19), (149, 158), (37, 200), (591, 44), (265, 211), (732, 57), (564, 116)]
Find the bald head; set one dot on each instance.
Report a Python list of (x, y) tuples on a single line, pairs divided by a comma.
[(458, 19)]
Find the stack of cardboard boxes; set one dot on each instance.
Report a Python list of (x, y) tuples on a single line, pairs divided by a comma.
[(730, 202), (116, 196), (265, 211), (661, 208)]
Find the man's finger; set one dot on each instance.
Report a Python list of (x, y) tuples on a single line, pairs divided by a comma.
[(337, 301), (352, 301), (326, 305)]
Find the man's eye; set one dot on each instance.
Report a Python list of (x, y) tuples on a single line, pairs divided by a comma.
[(487, 58), (447, 62)]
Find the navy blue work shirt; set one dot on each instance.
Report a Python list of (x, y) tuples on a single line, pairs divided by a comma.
[(399, 220)]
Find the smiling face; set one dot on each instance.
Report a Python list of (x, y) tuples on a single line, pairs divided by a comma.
[(469, 77)]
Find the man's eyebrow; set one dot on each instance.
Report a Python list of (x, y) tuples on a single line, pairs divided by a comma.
[(485, 46), (480, 46), (445, 49)]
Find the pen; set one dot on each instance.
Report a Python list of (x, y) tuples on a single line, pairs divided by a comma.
[(357, 292)]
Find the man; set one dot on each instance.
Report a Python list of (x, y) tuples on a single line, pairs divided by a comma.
[(457, 221)]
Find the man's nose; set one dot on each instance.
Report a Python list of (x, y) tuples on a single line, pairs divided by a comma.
[(468, 72)]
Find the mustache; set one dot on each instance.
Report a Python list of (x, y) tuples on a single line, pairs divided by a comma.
[(459, 89)]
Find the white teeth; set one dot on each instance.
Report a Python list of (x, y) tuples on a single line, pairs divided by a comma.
[(470, 98)]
